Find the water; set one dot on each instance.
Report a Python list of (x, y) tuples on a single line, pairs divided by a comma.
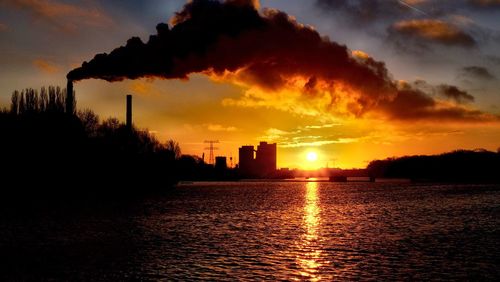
[(265, 231)]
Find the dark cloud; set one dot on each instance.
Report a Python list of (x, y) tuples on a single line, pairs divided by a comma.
[(432, 31), (59, 14), (494, 60), (368, 11), (476, 72), (448, 92), (414, 104), (3, 27), (409, 23), (452, 92), (271, 51), (485, 3), (361, 13)]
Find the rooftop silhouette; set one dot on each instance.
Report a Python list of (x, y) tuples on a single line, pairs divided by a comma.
[(260, 163)]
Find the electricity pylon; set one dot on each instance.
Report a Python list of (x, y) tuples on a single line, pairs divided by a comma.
[(211, 148)]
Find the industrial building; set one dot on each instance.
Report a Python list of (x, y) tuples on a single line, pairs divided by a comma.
[(260, 163)]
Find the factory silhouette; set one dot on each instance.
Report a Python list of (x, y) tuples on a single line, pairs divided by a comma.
[(258, 164)]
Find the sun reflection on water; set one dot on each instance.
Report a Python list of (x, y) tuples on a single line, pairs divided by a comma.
[(310, 256)]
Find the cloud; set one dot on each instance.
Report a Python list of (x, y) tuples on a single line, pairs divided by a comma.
[(144, 87), (298, 144), (432, 31), (452, 92), (363, 13), (485, 3), (329, 125), (46, 66), (295, 138), (219, 128), (63, 16), (274, 134), (492, 59), (281, 63), (414, 104), (476, 72)]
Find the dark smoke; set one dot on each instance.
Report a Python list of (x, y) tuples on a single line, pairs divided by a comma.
[(266, 48), (452, 92), (177, 52)]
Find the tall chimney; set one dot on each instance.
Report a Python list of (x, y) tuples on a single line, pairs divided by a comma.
[(129, 112), (70, 98)]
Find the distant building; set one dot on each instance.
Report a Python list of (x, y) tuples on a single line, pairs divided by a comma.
[(260, 163), (266, 159), (220, 163), (246, 157)]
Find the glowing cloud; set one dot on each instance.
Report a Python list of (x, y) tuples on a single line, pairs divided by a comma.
[(46, 66), (63, 16), (432, 30), (281, 63)]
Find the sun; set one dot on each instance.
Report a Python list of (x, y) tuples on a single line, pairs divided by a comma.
[(312, 156)]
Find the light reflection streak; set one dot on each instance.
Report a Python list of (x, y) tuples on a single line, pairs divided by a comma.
[(310, 254)]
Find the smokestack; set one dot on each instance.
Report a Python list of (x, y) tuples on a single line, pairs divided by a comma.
[(129, 112), (70, 98)]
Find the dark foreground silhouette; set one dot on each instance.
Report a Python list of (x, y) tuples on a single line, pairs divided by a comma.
[(48, 152), (458, 166)]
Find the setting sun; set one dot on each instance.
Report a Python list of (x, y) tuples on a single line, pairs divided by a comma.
[(312, 156)]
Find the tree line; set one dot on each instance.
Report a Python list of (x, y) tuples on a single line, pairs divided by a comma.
[(458, 166), (50, 99), (43, 145)]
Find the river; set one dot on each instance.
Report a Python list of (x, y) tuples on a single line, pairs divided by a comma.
[(264, 231)]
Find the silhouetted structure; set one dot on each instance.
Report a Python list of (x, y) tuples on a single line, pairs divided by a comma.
[(246, 157), (220, 163), (211, 149), (57, 154), (338, 178), (129, 112), (458, 166), (70, 98), (266, 159), (263, 165)]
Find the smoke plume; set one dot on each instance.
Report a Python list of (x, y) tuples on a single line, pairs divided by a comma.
[(268, 51)]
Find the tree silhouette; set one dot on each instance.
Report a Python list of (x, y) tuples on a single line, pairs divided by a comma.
[(80, 150), (29, 101), (461, 165), (173, 147), (21, 107), (44, 100), (90, 122), (14, 106)]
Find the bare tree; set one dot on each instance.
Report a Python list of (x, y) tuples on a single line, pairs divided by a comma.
[(90, 121), (109, 126), (22, 107), (60, 100), (44, 100), (51, 107), (173, 147), (14, 106), (31, 100)]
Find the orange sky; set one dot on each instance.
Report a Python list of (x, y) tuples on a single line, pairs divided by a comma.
[(440, 92), (195, 110)]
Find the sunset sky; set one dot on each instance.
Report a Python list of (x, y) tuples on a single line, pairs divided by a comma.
[(352, 80)]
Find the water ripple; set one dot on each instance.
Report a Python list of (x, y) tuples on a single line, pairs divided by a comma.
[(269, 231)]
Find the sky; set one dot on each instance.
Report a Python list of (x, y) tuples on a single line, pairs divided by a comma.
[(351, 80)]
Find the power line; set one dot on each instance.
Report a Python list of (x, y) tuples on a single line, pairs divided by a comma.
[(211, 148)]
